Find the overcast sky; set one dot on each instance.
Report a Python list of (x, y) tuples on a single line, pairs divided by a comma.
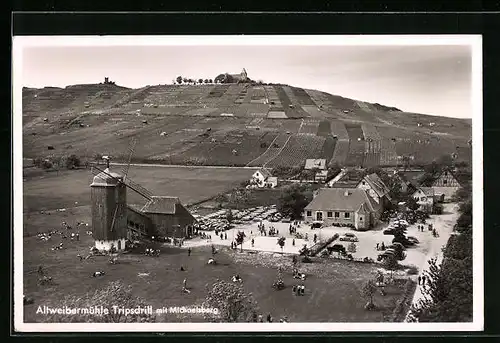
[(425, 79)]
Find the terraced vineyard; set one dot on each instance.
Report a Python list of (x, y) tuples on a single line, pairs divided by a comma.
[(324, 128), (340, 153), (234, 148), (373, 144), (309, 127), (315, 112), (290, 109), (243, 95), (356, 145), (218, 91), (177, 123), (302, 96), (328, 148), (297, 150), (339, 130), (388, 154), (289, 93), (272, 151)]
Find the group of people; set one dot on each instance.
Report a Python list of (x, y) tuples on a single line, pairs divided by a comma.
[(380, 246), (293, 227), (299, 289), (222, 235), (423, 280)]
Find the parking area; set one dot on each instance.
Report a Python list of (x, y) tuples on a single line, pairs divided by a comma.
[(366, 240)]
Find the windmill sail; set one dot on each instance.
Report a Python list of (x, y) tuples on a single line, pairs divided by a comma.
[(129, 183), (131, 150)]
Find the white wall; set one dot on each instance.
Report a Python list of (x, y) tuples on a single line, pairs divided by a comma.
[(106, 245)]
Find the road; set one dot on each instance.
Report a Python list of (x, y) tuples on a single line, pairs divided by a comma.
[(444, 224), (180, 166)]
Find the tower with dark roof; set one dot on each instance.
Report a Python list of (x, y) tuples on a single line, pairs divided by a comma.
[(109, 210)]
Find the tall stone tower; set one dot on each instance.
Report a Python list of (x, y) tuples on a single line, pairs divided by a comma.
[(109, 210)]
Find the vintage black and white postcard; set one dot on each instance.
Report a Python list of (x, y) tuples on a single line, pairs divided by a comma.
[(248, 183)]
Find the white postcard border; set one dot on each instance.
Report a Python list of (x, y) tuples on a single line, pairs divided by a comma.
[(475, 41)]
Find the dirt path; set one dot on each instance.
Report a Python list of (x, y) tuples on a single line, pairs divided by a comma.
[(444, 224)]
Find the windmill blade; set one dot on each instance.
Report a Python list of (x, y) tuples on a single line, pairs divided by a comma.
[(129, 183), (114, 218), (131, 150), (138, 189)]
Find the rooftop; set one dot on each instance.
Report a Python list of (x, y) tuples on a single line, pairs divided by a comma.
[(315, 163), (106, 178), (161, 205), (377, 184), (342, 199)]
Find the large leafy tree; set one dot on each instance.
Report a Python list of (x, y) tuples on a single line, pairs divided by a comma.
[(368, 291), (293, 200), (240, 238), (232, 303)]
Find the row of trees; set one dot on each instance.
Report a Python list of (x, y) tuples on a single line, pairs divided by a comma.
[(69, 162), (450, 292), (180, 80)]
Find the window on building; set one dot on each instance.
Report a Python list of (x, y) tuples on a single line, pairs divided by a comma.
[(445, 182), (337, 214), (363, 183), (308, 213), (347, 215), (329, 214), (360, 219)]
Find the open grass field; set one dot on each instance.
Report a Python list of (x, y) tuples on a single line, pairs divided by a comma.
[(51, 191), (90, 119), (332, 288)]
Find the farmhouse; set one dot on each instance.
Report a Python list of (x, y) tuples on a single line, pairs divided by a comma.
[(424, 196), (347, 178), (263, 178), (376, 189), (445, 185), (409, 179), (168, 216), (320, 166), (343, 206)]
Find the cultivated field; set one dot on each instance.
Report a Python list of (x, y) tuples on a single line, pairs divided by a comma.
[(172, 123), (51, 191), (299, 148), (356, 145)]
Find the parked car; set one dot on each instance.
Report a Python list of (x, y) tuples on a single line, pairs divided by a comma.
[(316, 225), (286, 220), (389, 231), (413, 240), (349, 237)]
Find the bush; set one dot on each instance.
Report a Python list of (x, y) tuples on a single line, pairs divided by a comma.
[(306, 259), (46, 164), (73, 162)]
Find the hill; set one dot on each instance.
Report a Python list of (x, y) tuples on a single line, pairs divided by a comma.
[(232, 124)]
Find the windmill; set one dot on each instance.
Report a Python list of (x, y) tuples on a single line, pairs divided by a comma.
[(109, 205)]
